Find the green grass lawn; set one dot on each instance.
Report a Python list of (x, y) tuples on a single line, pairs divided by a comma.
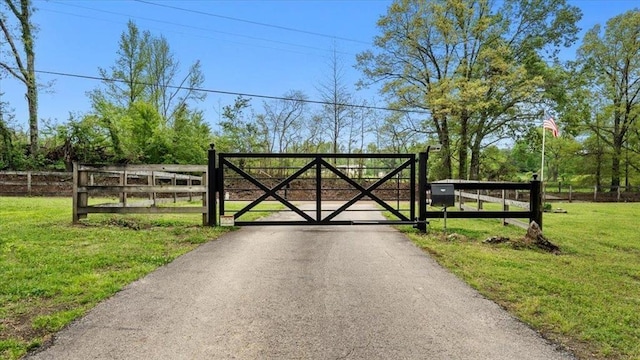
[(53, 271), (587, 297)]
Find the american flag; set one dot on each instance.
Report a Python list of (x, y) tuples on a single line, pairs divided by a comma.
[(551, 125)]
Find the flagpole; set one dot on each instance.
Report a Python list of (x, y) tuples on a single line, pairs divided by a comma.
[(544, 132), (543, 141)]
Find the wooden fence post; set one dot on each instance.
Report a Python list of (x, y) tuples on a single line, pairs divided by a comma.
[(29, 183), (74, 194), (174, 182), (595, 193), (123, 182), (618, 196), (570, 192), (155, 196), (505, 207), (479, 202), (150, 183), (83, 198)]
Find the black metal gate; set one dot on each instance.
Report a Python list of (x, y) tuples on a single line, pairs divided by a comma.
[(288, 179), (347, 178)]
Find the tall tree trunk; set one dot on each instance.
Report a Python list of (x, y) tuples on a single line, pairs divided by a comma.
[(32, 100), (30, 76), (615, 164), (23, 68), (464, 145), (618, 141), (627, 183), (474, 171), (599, 165), (446, 151)]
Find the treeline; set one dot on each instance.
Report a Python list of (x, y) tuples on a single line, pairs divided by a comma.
[(476, 77)]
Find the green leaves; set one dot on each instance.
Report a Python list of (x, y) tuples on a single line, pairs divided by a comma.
[(476, 68), (144, 104), (610, 68)]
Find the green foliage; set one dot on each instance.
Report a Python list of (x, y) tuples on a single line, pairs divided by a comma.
[(190, 139), (142, 116), (611, 70), (474, 68), (238, 134), (497, 165)]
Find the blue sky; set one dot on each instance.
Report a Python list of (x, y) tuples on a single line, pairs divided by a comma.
[(79, 36)]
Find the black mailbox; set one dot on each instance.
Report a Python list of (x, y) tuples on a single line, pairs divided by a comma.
[(442, 195)]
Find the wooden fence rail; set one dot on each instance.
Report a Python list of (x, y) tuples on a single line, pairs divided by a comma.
[(474, 190), (503, 200), (53, 183), (136, 180), (28, 183)]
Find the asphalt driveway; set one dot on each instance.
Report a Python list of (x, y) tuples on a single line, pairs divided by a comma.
[(351, 292)]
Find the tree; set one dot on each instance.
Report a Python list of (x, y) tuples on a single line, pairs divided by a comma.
[(334, 93), (7, 149), (126, 81), (237, 134), (282, 120), (612, 60), (162, 71), (144, 101), (474, 69), (22, 66), (190, 137), (146, 70), (79, 139)]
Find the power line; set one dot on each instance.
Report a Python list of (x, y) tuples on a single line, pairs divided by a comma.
[(254, 22), (235, 93), (289, 50), (190, 27)]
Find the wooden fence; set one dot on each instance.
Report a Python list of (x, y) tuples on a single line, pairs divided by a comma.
[(140, 188), (504, 200), (560, 192), (41, 183)]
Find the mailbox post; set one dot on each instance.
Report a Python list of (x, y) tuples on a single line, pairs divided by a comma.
[(443, 195)]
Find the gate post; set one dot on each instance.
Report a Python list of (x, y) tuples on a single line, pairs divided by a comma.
[(535, 201), (422, 191), (212, 207)]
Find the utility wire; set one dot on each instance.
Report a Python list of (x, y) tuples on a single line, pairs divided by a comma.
[(188, 27), (253, 22), (224, 92), (289, 50)]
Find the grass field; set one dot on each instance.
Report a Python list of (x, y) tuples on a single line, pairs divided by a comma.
[(53, 271), (587, 297)]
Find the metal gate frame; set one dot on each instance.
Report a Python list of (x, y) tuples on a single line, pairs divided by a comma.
[(318, 162), (418, 184)]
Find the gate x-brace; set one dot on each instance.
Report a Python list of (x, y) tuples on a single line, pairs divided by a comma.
[(318, 164)]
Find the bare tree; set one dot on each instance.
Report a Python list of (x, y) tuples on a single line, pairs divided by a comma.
[(21, 63), (282, 121), (167, 92), (334, 93)]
